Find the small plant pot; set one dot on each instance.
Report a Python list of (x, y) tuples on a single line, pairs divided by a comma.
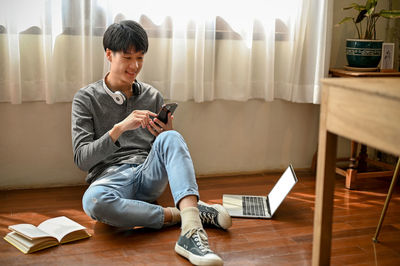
[(363, 53)]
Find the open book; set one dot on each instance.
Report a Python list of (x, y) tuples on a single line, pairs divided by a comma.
[(29, 238)]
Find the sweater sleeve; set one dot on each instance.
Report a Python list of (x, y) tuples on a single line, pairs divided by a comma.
[(87, 150)]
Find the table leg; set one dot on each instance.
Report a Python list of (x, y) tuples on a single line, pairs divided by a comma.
[(353, 155), (387, 201), (325, 185), (362, 159), (351, 172)]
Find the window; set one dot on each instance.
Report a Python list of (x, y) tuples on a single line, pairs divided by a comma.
[(199, 50)]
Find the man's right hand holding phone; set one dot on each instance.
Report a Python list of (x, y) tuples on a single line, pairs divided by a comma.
[(156, 126)]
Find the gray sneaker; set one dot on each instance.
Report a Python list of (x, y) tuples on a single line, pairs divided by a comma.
[(194, 246), (215, 215)]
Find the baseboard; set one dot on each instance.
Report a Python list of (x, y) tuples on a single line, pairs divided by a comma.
[(41, 186), (210, 175), (252, 173)]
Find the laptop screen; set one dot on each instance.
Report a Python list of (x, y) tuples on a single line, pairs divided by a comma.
[(281, 189)]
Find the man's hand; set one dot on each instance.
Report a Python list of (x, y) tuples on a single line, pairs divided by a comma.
[(158, 127), (136, 119)]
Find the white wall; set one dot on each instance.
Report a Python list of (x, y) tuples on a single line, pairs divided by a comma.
[(223, 137), (35, 146)]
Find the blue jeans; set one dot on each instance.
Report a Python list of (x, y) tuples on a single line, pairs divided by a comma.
[(122, 196)]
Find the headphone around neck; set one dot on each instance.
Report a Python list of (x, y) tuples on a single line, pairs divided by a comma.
[(118, 96)]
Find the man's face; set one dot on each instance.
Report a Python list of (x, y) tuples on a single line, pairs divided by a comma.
[(125, 66)]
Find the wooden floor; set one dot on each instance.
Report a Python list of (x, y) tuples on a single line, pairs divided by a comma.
[(284, 240)]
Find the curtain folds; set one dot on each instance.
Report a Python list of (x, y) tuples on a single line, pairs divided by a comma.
[(199, 50)]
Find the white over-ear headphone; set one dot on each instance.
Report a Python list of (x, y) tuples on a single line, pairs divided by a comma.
[(117, 96)]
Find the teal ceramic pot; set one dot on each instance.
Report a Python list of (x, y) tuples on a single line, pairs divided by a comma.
[(363, 53)]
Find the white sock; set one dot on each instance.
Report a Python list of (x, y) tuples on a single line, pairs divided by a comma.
[(190, 219), (176, 215)]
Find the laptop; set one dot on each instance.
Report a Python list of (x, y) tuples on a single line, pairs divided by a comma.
[(260, 206)]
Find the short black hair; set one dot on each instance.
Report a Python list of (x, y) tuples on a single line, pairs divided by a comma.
[(125, 35)]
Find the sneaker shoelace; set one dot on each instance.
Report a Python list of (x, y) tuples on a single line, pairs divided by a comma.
[(200, 238), (208, 217)]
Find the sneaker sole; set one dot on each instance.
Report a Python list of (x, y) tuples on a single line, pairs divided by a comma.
[(226, 221), (195, 259)]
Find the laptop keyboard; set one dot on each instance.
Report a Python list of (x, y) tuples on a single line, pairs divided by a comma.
[(253, 206)]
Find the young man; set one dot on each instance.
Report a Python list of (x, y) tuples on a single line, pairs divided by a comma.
[(131, 156)]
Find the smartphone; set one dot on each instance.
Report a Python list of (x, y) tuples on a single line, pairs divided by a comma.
[(165, 109)]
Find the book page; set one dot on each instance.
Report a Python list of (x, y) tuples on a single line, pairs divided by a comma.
[(29, 231), (60, 227), (28, 246)]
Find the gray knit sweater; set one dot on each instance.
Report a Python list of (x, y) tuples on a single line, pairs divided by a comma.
[(94, 113)]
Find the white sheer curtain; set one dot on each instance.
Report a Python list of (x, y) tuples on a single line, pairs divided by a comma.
[(199, 50)]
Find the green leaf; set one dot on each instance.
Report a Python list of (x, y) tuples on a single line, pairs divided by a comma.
[(354, 6), (390, 13), (361, 16), (370, 11), (345, 20), (371, 4)]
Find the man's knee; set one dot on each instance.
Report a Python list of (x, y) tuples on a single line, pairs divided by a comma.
[(170, 137), (98, 203)]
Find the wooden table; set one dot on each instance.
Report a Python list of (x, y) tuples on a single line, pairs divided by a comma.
[(364, 109), (339, 72), (361, 166)]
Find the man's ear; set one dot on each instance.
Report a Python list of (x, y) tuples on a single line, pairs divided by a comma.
[(109, 54)]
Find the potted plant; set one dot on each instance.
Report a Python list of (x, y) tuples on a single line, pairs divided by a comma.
[(365, 52)]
